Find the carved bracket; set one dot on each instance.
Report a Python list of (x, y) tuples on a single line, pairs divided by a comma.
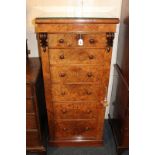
[(110, 37), (43, 41)]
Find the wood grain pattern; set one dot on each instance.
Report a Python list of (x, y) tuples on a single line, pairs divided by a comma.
[(78, 28), (76, 56), (77, 92), (71, 40), (75, 78), (75, 74), (72, 110), (75, 129)]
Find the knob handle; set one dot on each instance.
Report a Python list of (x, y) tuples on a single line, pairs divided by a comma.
[(88, 111), (91, 57), (91, 41), (62, 74), (65, 129), (61, 41), (63, 93), (62, 56), (89, 93), (89, 74), (64, 110), (87, 128)]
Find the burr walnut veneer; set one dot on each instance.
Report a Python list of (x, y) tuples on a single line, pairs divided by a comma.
[(76, 57)]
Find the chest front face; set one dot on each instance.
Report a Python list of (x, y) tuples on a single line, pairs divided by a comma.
[(76, 58)]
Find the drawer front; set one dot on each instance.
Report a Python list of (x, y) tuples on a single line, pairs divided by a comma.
[(77, 92), (29, 91), (75, 129), (77, 56), (32, 139), (71, 40), (29, 106), (71, 110), (31, 121), (77, 73)]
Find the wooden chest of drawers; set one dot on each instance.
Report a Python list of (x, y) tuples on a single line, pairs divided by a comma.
[(35, 107), (76, 57)]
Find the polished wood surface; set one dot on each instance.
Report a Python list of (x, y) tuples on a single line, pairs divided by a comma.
[(34, 125), (76, 56), (75, 77), (71, 40)]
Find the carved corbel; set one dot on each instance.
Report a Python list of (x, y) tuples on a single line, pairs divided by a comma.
[(110, 37), (43, 41)]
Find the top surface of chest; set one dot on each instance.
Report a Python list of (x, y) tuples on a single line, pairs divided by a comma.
[(75, 24)]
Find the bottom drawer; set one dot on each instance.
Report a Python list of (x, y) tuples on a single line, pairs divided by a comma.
[(32, 139), (79, 130)]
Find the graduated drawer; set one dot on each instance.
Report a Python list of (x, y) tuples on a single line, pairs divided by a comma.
[(70, 40), (83, 129), (31, 121), (75, 110), (29, 106), (32, 139), (77, 56), (77, 92), (77, 73)]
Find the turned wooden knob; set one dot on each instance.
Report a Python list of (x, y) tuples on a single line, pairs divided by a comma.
[(88, 111), (62, 56), (62, 74), (92, 41), (65, 129), (91, 57), (64, 110), (88, 93), (89, 74), (87, 128), (61, 41), (63, 93)]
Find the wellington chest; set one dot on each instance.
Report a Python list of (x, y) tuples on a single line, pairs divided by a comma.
[(76, 57)]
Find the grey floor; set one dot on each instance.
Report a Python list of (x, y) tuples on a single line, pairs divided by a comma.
[(107, 149)]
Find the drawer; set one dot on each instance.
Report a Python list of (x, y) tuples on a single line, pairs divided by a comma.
[(77, 56), (70, 40), (32, 139), (77, 92), (77, 73), (75, 129), (28, 91), (73, 110), (31, 121), (29, 106)]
